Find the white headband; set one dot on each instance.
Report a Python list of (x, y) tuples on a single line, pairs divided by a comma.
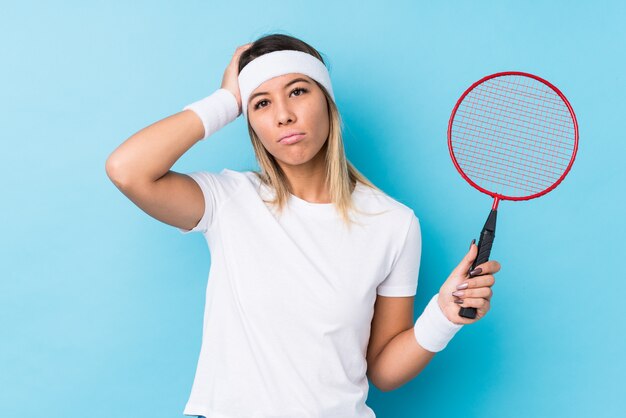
[(278, 63)]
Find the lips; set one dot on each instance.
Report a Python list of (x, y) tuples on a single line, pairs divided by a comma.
[(292, 139), (290, 134)]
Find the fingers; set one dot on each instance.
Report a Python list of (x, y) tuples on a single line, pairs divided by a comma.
[(478, 281), (491, 266), (242, 48), (235, 58), (478, 303), (481, 292), (230, 80)]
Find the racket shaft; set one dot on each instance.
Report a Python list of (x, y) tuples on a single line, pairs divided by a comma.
[(485, 244)]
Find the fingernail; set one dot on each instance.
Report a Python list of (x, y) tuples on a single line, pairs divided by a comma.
[(462, 286), (459, 301), (476, 271), (458, 293), (472, 243)]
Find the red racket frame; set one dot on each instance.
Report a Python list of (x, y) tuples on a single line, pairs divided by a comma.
[(497, 197)]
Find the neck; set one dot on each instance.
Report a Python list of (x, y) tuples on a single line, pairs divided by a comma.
[(308, 181)]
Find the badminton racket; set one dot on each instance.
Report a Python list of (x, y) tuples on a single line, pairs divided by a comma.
[(512, 136)]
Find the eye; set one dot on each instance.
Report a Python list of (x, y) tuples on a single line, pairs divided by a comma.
[(258, 104), (300, 90)]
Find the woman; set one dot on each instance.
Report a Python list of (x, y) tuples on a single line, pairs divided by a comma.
[(313, 269)]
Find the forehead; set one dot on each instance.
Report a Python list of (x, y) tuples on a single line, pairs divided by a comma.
[(278, 82)]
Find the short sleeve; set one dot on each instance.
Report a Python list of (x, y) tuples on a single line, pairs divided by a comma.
[(402, 280), (216, 189)]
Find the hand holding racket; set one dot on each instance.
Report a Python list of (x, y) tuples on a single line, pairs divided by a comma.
[(472, 290), (512, 136)]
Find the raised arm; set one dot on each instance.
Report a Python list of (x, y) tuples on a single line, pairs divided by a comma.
[(141, 166), (140, 169)]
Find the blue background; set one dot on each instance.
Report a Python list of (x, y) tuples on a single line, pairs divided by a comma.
[(101, 305)]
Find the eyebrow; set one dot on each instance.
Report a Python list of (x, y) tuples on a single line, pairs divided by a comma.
[(295, 80)]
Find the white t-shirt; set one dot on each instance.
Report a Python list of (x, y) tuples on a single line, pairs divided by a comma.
[(290, 299)]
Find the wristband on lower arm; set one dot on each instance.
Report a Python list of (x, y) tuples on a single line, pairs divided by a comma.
[(215, 111), (433, 330)]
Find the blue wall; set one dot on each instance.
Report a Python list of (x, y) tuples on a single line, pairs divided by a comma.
[(101, 305)]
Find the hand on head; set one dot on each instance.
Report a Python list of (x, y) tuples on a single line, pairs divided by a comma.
[(230, 81)]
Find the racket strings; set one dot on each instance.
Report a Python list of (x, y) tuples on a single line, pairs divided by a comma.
[(523, 122), (513, 135), (540, 161)]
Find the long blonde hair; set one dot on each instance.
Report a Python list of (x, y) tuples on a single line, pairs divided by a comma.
[(341, 175)]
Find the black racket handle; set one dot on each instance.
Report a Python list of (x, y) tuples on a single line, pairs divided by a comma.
[(485, 243)]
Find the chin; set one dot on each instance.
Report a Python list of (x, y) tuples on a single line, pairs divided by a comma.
[(295, 161)]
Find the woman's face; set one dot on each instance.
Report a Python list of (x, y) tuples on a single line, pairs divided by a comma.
[(290, 103)]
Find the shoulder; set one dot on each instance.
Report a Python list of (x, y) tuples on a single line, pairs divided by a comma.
[(219, 184), (226, 176), (393, 219), (378, 200), (241, 176)]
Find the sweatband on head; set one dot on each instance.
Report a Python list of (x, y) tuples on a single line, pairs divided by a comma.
[(433, 330), (277, 63)]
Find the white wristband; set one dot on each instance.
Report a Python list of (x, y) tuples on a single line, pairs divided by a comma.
[(215, 111), (433, 330)]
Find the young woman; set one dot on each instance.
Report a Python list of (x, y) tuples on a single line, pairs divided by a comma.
[(313, 268)]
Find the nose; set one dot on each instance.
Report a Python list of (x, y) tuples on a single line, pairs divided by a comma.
[(284, 112)]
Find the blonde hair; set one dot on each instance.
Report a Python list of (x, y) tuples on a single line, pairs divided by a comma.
[(341, 175)]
